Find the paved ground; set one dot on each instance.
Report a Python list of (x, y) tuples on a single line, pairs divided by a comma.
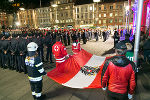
[(15, 86)]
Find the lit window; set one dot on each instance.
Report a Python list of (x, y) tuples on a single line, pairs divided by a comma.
[(104, 15), (116, 14), (120, 20), (111, 21), (111, 14), (99, 15), (100, 22), (91, 8), (104, 21)]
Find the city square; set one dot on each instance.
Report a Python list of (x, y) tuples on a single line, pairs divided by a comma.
[(75, 50), (15, 86)]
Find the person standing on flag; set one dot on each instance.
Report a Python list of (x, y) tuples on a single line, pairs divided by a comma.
[(35, 70), (118, 74), (59, 51), (76, 47)]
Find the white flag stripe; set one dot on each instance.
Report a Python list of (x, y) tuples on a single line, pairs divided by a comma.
[(80, 80), (95, 61)]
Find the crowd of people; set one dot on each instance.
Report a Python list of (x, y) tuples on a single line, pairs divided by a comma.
[(21, 52), (13, 46)]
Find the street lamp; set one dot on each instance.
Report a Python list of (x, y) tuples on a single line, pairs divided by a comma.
[(96, 1), (54, 5), (17, 24), (22, 9)]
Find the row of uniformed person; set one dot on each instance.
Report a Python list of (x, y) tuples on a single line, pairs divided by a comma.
[(13, 49)]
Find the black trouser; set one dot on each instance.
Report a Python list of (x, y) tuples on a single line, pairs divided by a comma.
[(84, 40), (116, 96), (49, 53), (104, 37), (1, 58), (68, 41), (21, 63), (40, 52), (96, 38), (36, 86), (6, 60), (65, 42), (13, 61)]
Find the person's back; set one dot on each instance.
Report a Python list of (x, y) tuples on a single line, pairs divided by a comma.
[(119, 69), (118, 74), (76, 47), (146, 49)]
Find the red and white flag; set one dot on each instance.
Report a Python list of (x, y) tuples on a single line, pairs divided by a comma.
[(82, 70)]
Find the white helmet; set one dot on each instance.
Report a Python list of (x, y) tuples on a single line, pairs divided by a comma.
[(32, 46)]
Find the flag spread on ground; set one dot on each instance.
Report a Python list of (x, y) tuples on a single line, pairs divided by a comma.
[(82, 70)]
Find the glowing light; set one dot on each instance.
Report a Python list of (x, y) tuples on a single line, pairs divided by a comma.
[(96, 0), (21, 8), (17, 23), (54, 5)]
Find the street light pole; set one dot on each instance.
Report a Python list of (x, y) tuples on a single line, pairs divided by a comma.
[(40, 4), (138, 30)]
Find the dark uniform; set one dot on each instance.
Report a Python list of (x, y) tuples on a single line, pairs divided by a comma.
[(1, 54), (68, 37), (21, 54), (96, 35), (65, 38), (6, 53), (104, 36), (35, 72), (116, 38), (48, 43), (79, 36), (39, 41), (84, 37), (13, 50)]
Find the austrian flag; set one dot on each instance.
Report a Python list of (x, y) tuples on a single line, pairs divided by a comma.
[(82, 70)]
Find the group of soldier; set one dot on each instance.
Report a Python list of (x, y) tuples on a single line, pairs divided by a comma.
[(13, 46)]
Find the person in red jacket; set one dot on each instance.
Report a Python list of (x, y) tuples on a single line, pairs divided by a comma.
[(118, 75), (76, 47), (59, 51)]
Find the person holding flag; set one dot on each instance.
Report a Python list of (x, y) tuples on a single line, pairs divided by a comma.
[(59, 51), (76, 47)]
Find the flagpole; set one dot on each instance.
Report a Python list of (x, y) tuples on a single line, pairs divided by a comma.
[(138, 30)]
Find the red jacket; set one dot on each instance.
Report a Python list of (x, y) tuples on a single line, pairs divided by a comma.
[(59, 52), (76, 48), (119, 73)]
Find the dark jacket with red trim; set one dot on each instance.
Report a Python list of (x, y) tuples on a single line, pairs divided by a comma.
[(119, 74)]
